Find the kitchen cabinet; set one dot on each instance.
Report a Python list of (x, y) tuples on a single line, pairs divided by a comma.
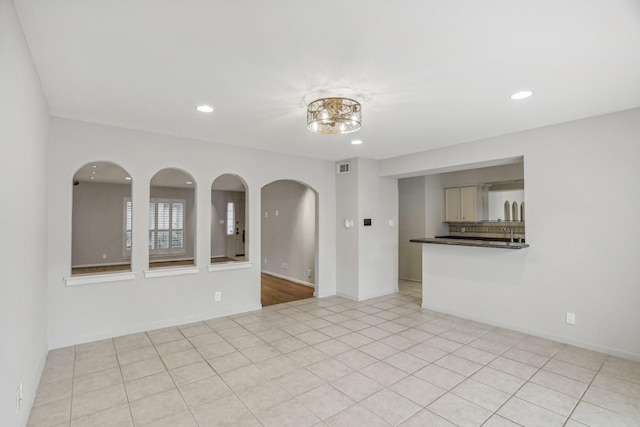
[(463, 204)]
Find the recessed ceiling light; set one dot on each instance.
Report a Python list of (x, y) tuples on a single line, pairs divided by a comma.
[(356, 142), (128, 178), (205, 108), (94, 166), (93, 177), (93, 172), (522, 94), (189, 182)]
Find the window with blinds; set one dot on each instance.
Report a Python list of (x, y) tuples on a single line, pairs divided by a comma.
[(128, 217), (231, 218), (166, 226)]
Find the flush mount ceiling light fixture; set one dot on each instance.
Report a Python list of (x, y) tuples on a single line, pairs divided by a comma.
[(334, 115)]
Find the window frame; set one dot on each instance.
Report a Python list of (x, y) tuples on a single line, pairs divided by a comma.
[(126, 253), (231, 218), (152, 243)]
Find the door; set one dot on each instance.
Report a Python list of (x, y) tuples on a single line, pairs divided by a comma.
[(239, 241)]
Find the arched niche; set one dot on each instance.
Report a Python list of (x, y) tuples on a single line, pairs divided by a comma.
[(172, 219), (101, 231), (289, 238), (229, 228)]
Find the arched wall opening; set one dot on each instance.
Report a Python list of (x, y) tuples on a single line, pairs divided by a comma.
[(172, 219), (101, 236), (289, 240), (229, 219)]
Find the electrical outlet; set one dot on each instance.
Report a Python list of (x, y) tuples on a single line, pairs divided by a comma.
[(265, 260), (104, 256), (309, 274), (571, 318), (217, 296), (19, 398)]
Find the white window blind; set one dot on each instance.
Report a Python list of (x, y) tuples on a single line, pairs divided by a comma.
[(128, 221), (166, 226)]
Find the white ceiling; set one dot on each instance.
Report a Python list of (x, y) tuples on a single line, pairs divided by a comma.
[(429, 73)]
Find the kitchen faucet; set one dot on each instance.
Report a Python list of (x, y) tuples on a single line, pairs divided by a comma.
[(510, 229)]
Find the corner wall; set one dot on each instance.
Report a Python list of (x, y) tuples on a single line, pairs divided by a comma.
[(579, 176), (367, 260), (24, 121)]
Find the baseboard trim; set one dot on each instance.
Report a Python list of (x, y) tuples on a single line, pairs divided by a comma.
[(407, 279), (291, 279), (368, 296), (541, 334), (152, 326)]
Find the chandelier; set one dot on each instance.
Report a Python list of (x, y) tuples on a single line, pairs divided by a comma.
[(334, 115)]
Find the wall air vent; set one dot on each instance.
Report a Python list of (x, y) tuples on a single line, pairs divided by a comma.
[(344, 167)]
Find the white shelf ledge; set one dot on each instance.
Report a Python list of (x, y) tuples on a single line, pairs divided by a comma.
[(98, 278), (231, 265)]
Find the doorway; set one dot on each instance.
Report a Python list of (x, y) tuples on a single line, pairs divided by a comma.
[(289, 236)]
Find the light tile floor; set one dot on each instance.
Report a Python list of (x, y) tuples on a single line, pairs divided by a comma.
[(335, 362)]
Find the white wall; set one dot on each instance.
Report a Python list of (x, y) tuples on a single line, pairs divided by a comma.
[(367, 255), (411, 224), (289, 236), (483, 175), (24, 122), (117, 308), (582, 258), (347, 239), (378, 244), (434, 201)]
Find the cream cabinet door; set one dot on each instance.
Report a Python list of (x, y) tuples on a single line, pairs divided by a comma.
[(468, 204), (452, 204)]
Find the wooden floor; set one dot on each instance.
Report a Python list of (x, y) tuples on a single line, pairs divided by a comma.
[(101, 269), (127, 267), (277, 291), (217, 259)]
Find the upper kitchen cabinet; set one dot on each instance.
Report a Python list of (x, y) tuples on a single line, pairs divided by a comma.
[(463, 204)]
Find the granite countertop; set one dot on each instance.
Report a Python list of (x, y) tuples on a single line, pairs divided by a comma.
[(498, 244)]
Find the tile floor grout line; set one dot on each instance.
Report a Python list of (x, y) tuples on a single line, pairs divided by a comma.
[(587, 389), (126, 394), (524, 384)]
